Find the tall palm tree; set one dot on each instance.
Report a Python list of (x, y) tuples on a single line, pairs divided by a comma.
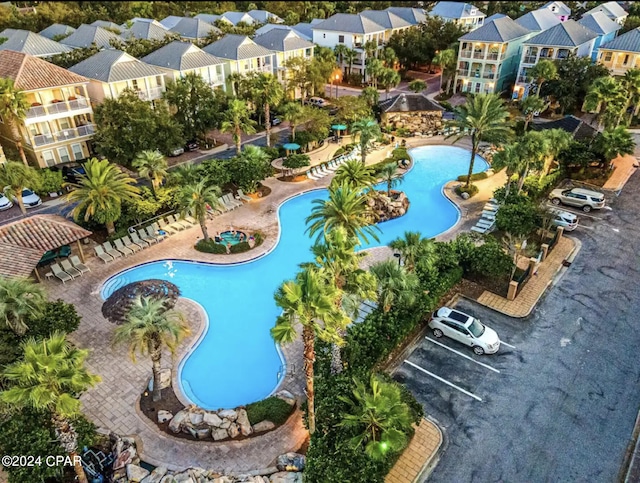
[(607, 97), (389, 78), (368, 130), (508, 157), (388, 57), (340, 51), (370, 48), (529, 106), (151, 165), (355, 174), (379, 416), (270, 94), (237, 121), (534, 147), (50, 376), (308, 300), (254, 156), (150, 328), (414, 250), (390, 175), (557, 141), (373, 69), (13, 110), (295, 114), (446, 60), (350, 57), (195, 197), (545, 70), (631, 83), (347, 208), (396, 286), (614, 142), (19, 299), (100, 192), (184, 174), (15, 177), (484, 117)]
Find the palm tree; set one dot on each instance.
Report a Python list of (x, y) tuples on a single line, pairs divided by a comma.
[(508, 157), (607, 97), (195, 197), (347, 208), (13, 110), (370, 48), (390, 175), (389, 78), (557, 141), (631, 83), (308, 300), (368, 129), (15, 177), (379, 416), (446, 60), (271, 93), (614, 142), (355, 174), (100, 193), (534, 147), (388, 57), (396, 286), (295, 114), (19, 299), (254, 156), (350, 56), (484, 116), (50, 377), (371, 95), (150, 328), (340, 51), (184, 174), (544, 70), (373, 69), (417, 85), (414, 250), (529, 106), (151, 165), (237, 121)]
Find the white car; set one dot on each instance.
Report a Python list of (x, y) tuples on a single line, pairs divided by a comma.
[(5, 203), (29, 198), (466, 329), (565, 219), (318, 102)]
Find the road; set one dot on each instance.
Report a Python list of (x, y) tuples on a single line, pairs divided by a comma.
[(563, 405)]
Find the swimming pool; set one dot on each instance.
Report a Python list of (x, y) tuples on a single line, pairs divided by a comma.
[(236, 361)]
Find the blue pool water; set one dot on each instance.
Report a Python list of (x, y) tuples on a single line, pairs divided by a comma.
[(236, 362)]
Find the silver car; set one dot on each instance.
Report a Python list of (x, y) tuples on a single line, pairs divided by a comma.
[(466, 329), (566, 220), (584, 199), (5, 203)]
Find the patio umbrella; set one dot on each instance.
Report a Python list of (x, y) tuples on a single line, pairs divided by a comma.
[(291, 147), (338, 127)]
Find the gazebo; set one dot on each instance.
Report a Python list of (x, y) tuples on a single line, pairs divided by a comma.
[(23, 242)]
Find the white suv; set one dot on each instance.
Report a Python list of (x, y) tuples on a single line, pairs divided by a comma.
[(586, 200), (318, 102), (466, 329)]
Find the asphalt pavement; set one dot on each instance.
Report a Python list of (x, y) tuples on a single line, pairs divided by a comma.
[(560, 404)]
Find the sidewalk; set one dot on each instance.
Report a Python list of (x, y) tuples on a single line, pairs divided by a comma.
[(417, 458), (624, 168)]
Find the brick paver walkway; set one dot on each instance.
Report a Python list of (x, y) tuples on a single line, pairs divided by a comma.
[(535, 287), (623, 170), (422, 449)]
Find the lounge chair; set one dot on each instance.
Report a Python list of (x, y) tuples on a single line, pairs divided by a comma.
[(324, 171), (155, 229), (224, 207), (136, 240), (133, 245), (490, 207), (242, 196), (144, 236), (173, 223), (333, 166), (482, 221), (105, 257), (78, 265), (110, 250), (231, 201), (480, 229), (186, 220), (66, 266), (489, 214), (59, 273), (190, 219), (165, 226), (311, 174), (121, 248), (181, 221)]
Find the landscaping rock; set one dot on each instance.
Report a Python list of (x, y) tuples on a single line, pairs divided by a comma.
[(243, 422), (230, 414), (233, 430), (168, 479), (464, 195), (286, 477), (225, 424), (212, 419), (203, 433), (136, 474), (156, 475), (263, 426), (164, 416), (222, 479), (290, 462), (196, 418), (287, 397), (219, 434), (176, 422), (125, 458)]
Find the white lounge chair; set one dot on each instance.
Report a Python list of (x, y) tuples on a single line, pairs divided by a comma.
[(313, 175), (490, 207), (59, 273), (242, 196), (137, 241), (174, 223), (157, 230), (323, 171), (144, 236), (104, 256), (491, 215), (164, 225), (121, 248), (110, 250), (232, 201), (134, 246), (66, 266), (78, 265), (158, 237), (480, 229)]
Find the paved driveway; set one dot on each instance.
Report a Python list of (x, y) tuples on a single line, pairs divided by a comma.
[(561, 405)]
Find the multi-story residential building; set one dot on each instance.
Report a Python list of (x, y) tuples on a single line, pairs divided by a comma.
[(463, 14), (112, 71), (391, 22), (242, 55), (559, 9), (538, 20), (58, 127), (352, 31), (622, 53), (605, 27), (488, 56), (191, 29), (140, 29), (414, 16), (31, 43), (86, 35), (57, 30), (613, 10), (558, 42), (178, 59)]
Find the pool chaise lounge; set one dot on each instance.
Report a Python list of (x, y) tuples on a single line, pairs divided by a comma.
[(121, 248), (78, 265), (60, 274), (105, 257), (242, 197), (66, 266), (110, 250)]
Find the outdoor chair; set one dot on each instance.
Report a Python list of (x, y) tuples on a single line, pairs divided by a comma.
[(173, 223), (131, 244), (105, 257), (190, 219), (144, 236), (479, 229), (110, 250), (150, 232), (59, 273), (224, 205), (66, 266), (230, 200), (121, 248), (164, 225), (324, 171), (155, 229), (311, 174), (78, 265), (242, 196), (136, 239)]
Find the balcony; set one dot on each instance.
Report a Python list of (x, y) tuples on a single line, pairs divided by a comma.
[(466, 53), (64, 135), (150, 94), (478, 55), (489, 75), (463, 72), (58, 107), (86, 130), (217, 81), (493, 56)]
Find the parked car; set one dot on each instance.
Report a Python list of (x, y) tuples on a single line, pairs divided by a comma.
[(29, 198), (71, 172), (275, 121), (466, 329), (5, 203), (566, 220), (176, 152), (191, 145), (584, 199), (318, 102)]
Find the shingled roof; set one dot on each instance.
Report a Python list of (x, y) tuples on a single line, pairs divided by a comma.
[(30, 73), (571, 124), (409, 103)]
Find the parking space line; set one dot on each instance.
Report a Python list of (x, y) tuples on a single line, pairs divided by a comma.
[(463, 355), (443, 380), (508, 345), (570, 209)]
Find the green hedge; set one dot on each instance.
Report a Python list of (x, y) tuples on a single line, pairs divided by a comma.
[(240, 247), (271, 409), (219, 249), (210, 246), (472, 190), (474, 176)]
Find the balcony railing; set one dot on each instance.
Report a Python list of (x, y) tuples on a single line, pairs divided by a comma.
[(466, 53), (150, 94), (86, 130), (64, 135), (216, 81), (463, 72), (489, 75), (58, 107), (529, 59), (493, 55), (478, 55)]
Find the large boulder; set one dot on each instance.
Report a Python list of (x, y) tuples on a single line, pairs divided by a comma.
[(156, 475), (164, 416), (290, 462), (263, 426), (233, 430), (176, 422), (212, 419), (125, 457), (196, 418), (136, 473), (219, 434), (243, 422), (287, 397), (230, 414)]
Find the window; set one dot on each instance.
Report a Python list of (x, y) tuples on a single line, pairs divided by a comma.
[(341, 39), (307, 52), (607, 56), (626, 59), (63, 154), (134, 83), (77, 151), (478, 86), (48, 158), (324, 36), (64, 123)]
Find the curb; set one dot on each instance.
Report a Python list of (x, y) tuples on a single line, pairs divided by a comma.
[(631, 454), (434, 459)]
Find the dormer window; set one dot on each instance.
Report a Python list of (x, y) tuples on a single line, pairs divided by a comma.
[(473, 11), (554, 8)]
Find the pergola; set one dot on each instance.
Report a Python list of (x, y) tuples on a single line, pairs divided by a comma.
[(23, 242)]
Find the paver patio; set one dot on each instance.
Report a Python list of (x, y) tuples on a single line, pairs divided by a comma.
[(418, 455)]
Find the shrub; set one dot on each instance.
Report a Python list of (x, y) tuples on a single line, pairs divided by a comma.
[(240, 247), (57, 315), (217, 170), (474, 176), (354, 79), (50, 182), (471, 189), (210, 247), (490, 260), (446, 105), (272, 151), (271, 409), (295, 161), (259, 238), (403, 132), (520, 219)]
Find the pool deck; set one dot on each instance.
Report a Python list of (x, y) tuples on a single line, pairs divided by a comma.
[(111, 404)]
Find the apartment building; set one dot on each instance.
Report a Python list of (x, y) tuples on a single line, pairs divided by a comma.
[(605, 27), (559, 9), (612, 10), (463, 14), (622, 53)]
